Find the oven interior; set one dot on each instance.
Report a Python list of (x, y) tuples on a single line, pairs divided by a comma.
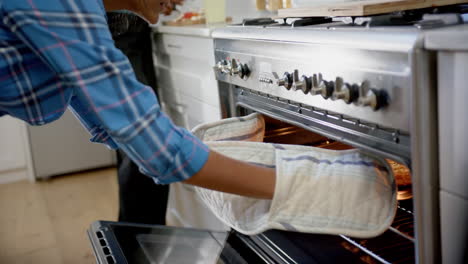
[(396, 245)]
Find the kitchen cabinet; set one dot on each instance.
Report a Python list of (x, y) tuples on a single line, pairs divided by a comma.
[(63, 147), (187, 89), (13, 156), (40, 152), (188, 93)]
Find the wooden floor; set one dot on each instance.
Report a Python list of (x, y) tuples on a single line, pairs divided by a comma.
[(46, 222)]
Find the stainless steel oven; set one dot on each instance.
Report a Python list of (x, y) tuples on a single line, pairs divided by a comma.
[(340, 84)]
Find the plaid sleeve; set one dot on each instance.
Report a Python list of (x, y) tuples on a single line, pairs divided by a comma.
[(72, 38)]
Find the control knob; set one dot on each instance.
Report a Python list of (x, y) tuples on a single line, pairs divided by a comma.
[(372, 97), (219, 66), (286, 81), (223, 67), (239, 69), (344, 91), (245, 73), (319, 86), (302, 83)]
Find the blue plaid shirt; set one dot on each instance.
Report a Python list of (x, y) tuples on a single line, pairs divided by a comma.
[(59, 54)]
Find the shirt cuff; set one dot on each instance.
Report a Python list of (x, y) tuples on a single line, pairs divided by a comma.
[(190, 159)]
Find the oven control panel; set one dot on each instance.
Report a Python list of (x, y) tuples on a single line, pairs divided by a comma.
[(369, 86), (362, 94), (233, 67)]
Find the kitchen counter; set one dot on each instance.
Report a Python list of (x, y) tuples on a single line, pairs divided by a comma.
[(200, 30), (453, 38)]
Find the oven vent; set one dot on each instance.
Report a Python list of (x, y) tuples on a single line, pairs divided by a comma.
[(105, 249)]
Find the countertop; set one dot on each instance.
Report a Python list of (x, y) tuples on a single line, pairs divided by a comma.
[(450, 38), (200, 30)]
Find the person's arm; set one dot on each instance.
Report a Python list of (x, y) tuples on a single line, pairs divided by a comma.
[(74, 41), (224, 174)]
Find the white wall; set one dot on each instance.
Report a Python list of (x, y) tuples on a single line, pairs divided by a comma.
[(240, 9)]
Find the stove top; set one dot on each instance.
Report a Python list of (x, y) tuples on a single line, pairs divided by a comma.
[(421, 19)]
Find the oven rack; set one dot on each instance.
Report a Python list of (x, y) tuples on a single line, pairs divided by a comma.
[(275, 246), (396, 245)]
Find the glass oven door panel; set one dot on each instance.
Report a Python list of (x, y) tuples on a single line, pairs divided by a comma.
[(136, 243)]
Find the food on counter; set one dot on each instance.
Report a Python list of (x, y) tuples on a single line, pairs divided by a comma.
[(190, 18), (187, 18)]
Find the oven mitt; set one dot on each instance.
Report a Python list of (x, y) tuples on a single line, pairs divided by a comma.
[(317, 191), (246, 128), (185, 208)]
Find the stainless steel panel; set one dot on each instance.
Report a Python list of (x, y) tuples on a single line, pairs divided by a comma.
[(453, 153), (453, 123), (398, 39), (424, 157), (454, 228), (389, 71)]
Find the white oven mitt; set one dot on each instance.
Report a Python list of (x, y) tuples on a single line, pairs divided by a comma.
[(246, 128), (317, 191), (185, 208)]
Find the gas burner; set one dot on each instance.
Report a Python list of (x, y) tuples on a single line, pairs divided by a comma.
[(386, 20), (264, 21), (284, 22), (419, 18), (309, 21), (422, 19)]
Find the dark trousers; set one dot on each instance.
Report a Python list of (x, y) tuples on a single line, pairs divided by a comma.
[(140, 199)]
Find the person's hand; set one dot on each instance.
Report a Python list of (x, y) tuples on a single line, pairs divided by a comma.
[(171, 6)]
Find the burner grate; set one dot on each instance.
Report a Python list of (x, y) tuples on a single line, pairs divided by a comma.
[(258, 22), (425, 18)]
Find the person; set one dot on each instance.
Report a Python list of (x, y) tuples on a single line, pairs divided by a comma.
[(140, 201), (60, 54)]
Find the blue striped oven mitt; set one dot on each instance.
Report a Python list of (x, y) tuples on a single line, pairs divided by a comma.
[(317, 190)]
